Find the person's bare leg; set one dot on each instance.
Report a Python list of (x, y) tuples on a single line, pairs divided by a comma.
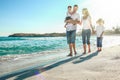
[(74, 48), (98, 49), (89, 50), (70, 47), (84, 47)]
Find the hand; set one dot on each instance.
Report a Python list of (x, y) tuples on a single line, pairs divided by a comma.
[(100, 36), (65, 26), (93, 31), (79, 23)]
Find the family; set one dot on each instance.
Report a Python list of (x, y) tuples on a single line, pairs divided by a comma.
[(71, 21)]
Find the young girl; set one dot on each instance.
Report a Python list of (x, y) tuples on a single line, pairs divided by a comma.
[(99, 33), (69, 12), (86, 30)]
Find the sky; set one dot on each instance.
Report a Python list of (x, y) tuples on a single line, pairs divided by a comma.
[(47, 16)]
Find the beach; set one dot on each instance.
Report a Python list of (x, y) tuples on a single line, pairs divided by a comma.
[(94, 66), (55, 65), (101, 66)]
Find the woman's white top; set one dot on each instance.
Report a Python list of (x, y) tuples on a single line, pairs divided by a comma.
[(86, 23)]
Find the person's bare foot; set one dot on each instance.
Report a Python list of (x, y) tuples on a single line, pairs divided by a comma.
[(84, 53), (100, 50), (69, 54), (75, 53), (89, 51)]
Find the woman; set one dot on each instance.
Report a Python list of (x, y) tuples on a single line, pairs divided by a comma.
[(86, 30)]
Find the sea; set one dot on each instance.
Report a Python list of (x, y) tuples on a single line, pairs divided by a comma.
[(31, 45)]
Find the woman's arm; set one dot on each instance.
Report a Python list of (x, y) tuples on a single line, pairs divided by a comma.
[(91, 26), (101, 34)]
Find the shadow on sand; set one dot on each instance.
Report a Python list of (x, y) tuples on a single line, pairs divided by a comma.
[(26, 73), (82, 59), (23, 74)]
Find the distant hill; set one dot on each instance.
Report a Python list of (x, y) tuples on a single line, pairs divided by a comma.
[(114, 31), (37, 35)]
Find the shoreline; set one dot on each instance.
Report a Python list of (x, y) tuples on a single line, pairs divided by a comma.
[(66, 66), (107, 42), (28, 61)]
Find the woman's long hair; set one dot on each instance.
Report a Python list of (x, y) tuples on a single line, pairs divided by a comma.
[(85, 13)]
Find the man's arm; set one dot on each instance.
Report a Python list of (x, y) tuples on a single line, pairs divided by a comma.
[(80, 22), (71, 21), (76, 21)]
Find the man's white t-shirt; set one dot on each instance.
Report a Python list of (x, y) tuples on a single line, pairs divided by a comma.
[(70, 26), (86, 23), (99, 30)]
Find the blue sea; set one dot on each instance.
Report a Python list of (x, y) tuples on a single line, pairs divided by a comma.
[(29, 45)]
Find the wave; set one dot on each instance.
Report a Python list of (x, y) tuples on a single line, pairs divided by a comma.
[(26, 45), (11, 38), (30, 45), (29, 38)]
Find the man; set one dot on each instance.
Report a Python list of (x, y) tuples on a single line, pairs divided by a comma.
[(71, 30)]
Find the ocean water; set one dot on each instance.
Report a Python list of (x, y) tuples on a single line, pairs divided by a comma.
[(30, 45)]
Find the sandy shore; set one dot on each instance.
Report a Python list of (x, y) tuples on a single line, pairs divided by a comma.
[(94, 66)]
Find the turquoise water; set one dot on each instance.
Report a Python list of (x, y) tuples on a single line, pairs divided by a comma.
[(28, 45)]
